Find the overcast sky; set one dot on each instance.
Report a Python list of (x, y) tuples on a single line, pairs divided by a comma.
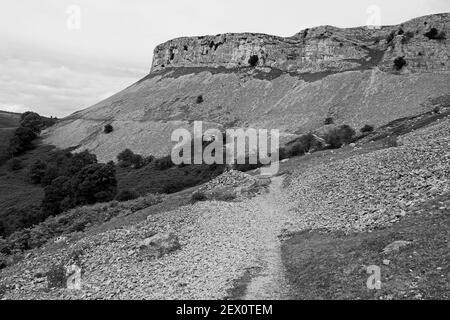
[(54, 63)]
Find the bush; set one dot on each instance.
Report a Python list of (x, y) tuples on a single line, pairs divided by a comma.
[(163, 163), (328, 121), (72, 221), (199, 99), (253, 61), (15, 164), (367, 128), (108, 129), (126, 195), (37, 171), (407, 37), (399, 63), (33, 121), (340, 136), (128, 158), (301, 145), (434, 34), (14, 219), (198, 196), (138, 161), (21, 141), (93, 183)]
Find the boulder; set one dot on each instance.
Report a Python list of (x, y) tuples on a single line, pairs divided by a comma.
[(159, 244), (395, 246)]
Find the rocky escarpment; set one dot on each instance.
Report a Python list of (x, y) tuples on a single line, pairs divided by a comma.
[(261, 81), (321, 49)]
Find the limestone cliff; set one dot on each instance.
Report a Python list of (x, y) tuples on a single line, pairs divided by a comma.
[(262, 81)]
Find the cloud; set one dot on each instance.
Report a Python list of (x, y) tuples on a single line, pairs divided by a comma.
[(53, 86)]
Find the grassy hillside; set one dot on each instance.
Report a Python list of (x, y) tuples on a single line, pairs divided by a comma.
[(9, 119)]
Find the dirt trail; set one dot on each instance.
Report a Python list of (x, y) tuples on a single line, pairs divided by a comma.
[(270, 282)]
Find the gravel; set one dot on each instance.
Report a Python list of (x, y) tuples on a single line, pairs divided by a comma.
[(220, 240), (371, 190)]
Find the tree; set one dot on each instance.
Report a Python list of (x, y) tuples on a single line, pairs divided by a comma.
[(94, 183), (79, 160), (339, 136), (328, 120), (108, 129), (125, 158), (37, 171), (54, 194), (21, 141), (32, 121)]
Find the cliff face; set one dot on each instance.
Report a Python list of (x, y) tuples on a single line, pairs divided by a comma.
[(322, 49), (262, 81)]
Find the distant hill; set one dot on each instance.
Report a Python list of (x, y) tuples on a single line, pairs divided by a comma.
[(9, 119)]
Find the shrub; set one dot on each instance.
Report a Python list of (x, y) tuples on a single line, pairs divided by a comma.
[(434, 34), (125, 158), (253, 61), (126, 195), (407, 37), (54, 194), (128, 158), (399, 63), (15, 164), (138, 161), (163, 163), (33, 121), (78, 161), (37, 171), (437, 109), (302, 145), (198, 196), (94, 183), (339, 136), (367, 128), (51, 172), (108, 129), (328, 121), (199, 99), (21, 141)]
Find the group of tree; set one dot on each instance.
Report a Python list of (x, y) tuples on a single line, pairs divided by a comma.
[(31, 125), (71, 180), (128, 158)]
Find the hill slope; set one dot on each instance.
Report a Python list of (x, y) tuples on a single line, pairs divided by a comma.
[(293, 85)]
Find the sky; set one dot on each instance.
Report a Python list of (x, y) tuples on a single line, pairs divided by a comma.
[(60, 56)]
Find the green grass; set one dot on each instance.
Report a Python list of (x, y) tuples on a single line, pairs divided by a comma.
[(9, 119), (151, 180), (332, 265)]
